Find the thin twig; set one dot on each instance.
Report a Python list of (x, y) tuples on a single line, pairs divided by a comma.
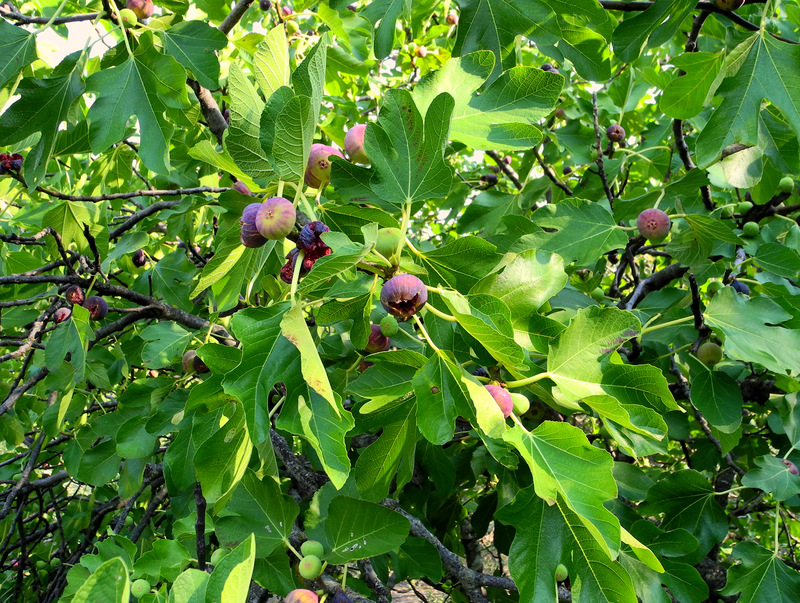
[(598, 145)]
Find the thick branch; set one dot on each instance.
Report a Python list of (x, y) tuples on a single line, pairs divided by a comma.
[(143, 193), (141, 215), (654, 282), (21, 19)]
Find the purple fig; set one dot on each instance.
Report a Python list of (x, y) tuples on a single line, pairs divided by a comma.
[(791, 467), (404, 295), (318, 172), (354, 144), (287, 272), (264, 5), (62, 314), (740, 287), (502, 397), (97, 307), (287, 10), (249, 236), (489, 179), (188, 361), (377, 342), (615, 133), (199, 365), (11, 162), (653, 224), (242, 188), (309, 238), (143, 9), (75, 295), (275, 218), (139, 258)]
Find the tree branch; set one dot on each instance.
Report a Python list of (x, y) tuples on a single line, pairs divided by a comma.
[(21, 19), (143, 193), (141, 215), (599, 146), (654, 282)]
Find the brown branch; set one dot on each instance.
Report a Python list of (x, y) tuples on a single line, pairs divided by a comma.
[(599, 146), (236, 14), (707, 430), (143, 193), (505, 168), (654, 282), (21, 19), (141, 215), (548, 171)]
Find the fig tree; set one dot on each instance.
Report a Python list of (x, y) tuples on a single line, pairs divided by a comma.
[(786, 185), (249, 235), (653, 224), (377, 342), (301, 595), (615, 133), (502, 397), (128, 17), (354, 144), (310, 567), (97, 307), (404, 295), (709, 353), (318, 172), (389, 326), (143, 9), (751, 229), (275, 218), (312, 547), (561, 572), (74, 295), (140, 588), (520, 403), (388, 241)]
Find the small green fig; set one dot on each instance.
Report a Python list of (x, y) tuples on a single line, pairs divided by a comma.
[(714, 287), (561, 572), (743, 207), (389, 325), (129, 18), (709, 353), (312, 547), (521, 403), (41, 564), (786, 185), (310, 567), (140, 588), (751, 229), (388, 241), (218, 555), (598, 294)]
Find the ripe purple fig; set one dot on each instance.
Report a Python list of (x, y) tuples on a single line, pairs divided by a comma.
[(188, 361), (264, 5), (549, 67), (615, 133), (377, 342), (340, 597), (480, 372), (287, 271), (310, 236), (740, 287), (275, 218), (318, 172), (729, 4), (653, 224), (489, 179), (62, 314), (241, 187), (249, 236), (287, 10), (75, 295), (791, 467), (302, 595), (354, 144), (139, 258), (11, 162), (143, 9), (97, 307), (199, 365), (502, 397), (404, 295)]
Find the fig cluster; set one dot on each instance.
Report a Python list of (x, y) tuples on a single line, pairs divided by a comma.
[(270, 220), (403, 296), (310, 566), (311, 244), (10, 162)]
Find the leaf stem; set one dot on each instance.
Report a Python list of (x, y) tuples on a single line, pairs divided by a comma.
[(777, 512), (298, 263), (664, 325), (403, 229), (440, 314), (425, 334), (121, 28), (291, 548), (529, 380)]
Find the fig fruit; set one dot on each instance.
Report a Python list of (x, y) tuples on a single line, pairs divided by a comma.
[(275, 218), (452, 18), (97, 307), (786, 185), (709, 353), (140, 588), (218, 555), (598, 294), (143, 9), (129, 18), (480, 372), (791, 467), (489, 179), (354, 144), (561, 572), (199, 365), (615, 133), (404, 295), (318, 172), (61, 315), (264, 5), (249, 235), (714, 287), (74, 295), (377, 342), (744, 207), (310, 567), (502, 397), (388, 241), (653, 224), (389, 326), (549, 67), (751, 229), (521, 404), (302, 595), (740, 287), (312, 547), (139, 258), (188, 361), (240, 187)]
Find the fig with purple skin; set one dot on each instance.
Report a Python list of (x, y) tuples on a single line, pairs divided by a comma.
[(62, 314), (143, 9), (188, 361), (354, 144), (318, 172), (275, 218), (249, 236), (75, 295), (287, 271), (287, 10), (302, 595), (139, 258), (310, 236), (264, 5), (340, 597), (452, 19), (404, 295), (97, 307), (241, 187), (502, 397), (740, 287), (489, 179), (377, 342), (480, 372), (615, 133), (653, 224), (791, 467), (199, 365), (11, 162)]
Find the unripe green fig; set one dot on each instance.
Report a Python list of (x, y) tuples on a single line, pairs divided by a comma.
[(312, 547), (41, 564), (389, 325), (291, 27), (55, 562), (128, 17), (521, 403), (786, 185), (709, 353), (388, 241), (751, 229), (714, 287), (310, 567), (598, 294), (744, 207), (128, 521), (561, 572), (727, 211), (218, 555), (140, 588), (595, 155), (43, 575)]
